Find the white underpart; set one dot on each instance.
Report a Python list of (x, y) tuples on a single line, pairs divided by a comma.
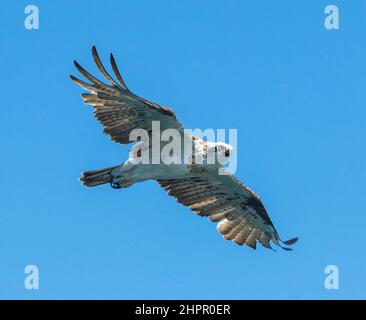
[(134, 170)]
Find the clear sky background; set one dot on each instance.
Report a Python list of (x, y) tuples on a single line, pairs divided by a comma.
[(295, 91)]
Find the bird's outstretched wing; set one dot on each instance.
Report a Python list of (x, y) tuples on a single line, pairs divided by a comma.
[(239, 212), (117, 108)]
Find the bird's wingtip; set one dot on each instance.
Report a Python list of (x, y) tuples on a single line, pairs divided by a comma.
[(291, 241)]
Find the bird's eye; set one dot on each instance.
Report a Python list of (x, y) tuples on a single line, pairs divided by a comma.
[(227, 153), (216, 149)]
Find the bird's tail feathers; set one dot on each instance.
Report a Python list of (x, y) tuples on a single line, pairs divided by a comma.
[(97, 177)]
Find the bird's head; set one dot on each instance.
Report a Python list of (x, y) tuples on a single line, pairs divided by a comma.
[(222, 151)]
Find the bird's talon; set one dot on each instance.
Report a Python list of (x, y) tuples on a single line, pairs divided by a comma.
[(115, 185)]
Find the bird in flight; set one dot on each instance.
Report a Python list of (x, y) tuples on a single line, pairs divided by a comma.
[(197, 184)]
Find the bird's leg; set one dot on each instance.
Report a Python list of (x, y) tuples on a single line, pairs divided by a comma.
[(122, 176), (121, 184)]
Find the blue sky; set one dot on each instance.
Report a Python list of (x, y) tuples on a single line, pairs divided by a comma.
[(294, 90)]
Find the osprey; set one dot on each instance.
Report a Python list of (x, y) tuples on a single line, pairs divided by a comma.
[(239, 212)]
